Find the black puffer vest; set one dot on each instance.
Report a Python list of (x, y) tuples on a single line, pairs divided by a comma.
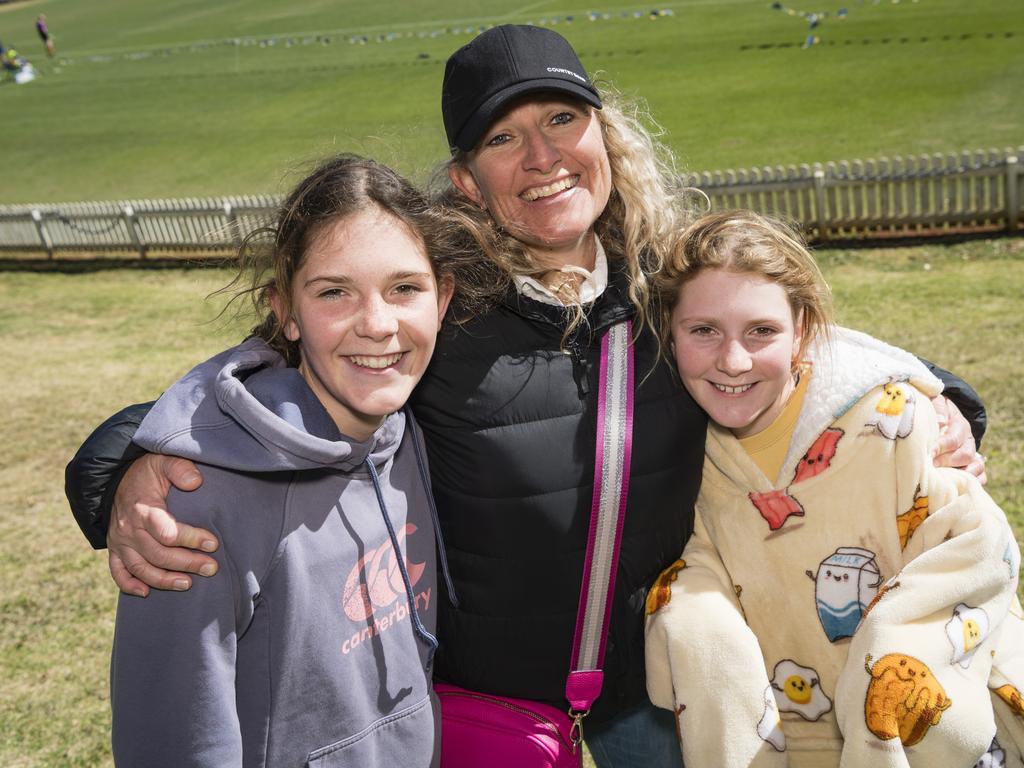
[(510, 422)]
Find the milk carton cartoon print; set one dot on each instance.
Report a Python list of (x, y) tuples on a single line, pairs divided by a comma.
[(846, 582)]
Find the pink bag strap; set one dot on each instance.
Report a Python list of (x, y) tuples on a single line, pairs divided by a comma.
[(607, 513)]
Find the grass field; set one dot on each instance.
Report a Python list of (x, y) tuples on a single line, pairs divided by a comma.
[(191, 97), (81, 346), (188, 97)]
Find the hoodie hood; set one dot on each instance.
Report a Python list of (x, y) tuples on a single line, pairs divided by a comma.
[(244, 409), (845, 368)]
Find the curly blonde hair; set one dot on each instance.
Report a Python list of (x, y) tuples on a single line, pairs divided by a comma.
[(748, 242), (645, 207)]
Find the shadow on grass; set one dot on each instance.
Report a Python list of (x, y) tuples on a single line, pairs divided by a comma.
[(913, 241), (88, 264)]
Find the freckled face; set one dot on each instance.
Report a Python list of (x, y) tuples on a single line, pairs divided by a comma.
[(365, 309), (734, 340), (541, 170)]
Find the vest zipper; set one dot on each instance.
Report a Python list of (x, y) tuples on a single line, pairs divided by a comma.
[(579, 368)]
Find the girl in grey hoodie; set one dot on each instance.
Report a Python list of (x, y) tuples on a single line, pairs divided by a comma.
[(313, 643)]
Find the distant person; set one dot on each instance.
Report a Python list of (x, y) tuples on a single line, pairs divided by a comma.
[(17, 67), (44, 34), (11, 60), (841, 597), (313, 644)]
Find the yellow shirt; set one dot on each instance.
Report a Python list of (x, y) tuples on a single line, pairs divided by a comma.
[(769, 446)]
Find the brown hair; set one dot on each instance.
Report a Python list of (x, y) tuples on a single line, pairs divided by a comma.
[(744, 241), (338, 187)]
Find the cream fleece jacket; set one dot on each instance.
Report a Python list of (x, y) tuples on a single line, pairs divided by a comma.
[(857, 609)]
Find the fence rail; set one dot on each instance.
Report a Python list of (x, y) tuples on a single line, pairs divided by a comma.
[(925, 195), (917, 196), (206, 225)]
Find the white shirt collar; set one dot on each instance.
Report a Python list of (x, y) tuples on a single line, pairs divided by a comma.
[(592, 287)]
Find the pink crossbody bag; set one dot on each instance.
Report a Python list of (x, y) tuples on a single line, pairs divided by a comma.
[(479, 729)]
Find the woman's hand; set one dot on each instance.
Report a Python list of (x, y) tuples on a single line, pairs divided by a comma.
[(956, 447), (147, 547)]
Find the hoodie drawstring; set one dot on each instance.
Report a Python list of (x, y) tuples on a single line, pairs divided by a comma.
[(418, 627), (425, 478)]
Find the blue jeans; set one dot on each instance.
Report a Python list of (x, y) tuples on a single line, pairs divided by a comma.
[(644, 736)]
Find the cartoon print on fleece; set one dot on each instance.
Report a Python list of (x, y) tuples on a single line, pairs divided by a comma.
[(744, 622)]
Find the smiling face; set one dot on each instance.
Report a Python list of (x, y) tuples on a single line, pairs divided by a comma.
[(541, 170), (365, 310), (797, 689), (734, 340)]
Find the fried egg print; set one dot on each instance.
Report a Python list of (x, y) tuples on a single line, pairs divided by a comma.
[(798, 689), (968, 627), (894, 412), (994, 758), (1012, 557), (770, 727)]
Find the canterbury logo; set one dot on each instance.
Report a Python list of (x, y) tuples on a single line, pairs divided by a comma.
[(376, 582)]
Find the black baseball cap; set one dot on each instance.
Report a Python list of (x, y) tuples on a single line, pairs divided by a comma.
[(497, 66)]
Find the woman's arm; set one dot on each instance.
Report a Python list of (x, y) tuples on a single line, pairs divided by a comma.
[(967, 401), (962, 424), (956, 446), (98, 466), (118, 495)]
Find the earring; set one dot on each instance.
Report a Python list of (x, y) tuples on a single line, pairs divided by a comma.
[(796, 369)]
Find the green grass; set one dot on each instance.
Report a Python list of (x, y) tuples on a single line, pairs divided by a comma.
[(145, 100), (959, 306), (80, 346), (727, 80), (77, 345)]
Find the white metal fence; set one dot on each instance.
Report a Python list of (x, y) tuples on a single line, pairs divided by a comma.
[(926, 195)]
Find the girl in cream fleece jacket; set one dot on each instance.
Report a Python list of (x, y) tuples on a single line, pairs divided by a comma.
[(842, 601)]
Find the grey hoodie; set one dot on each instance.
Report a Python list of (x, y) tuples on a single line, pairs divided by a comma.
[(305, 648)]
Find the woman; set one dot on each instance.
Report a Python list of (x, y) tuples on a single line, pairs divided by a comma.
[(566, 212)]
